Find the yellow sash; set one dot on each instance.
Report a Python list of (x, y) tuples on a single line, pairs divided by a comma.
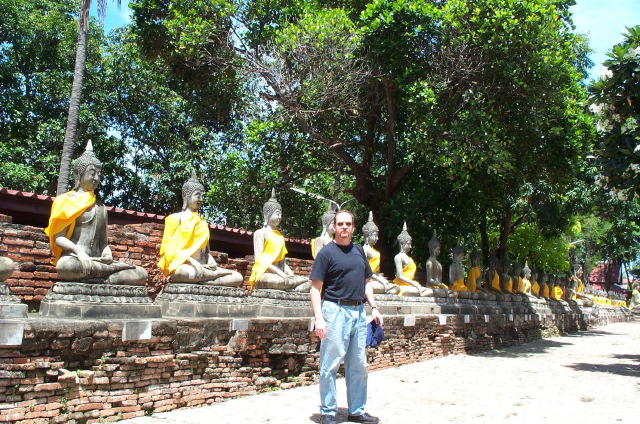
[(181, 240), (458, 285), (535, 288), (546, 291), (557, 293), (374, 261), (495, 282), (519, 286), (526, 286), (409, 271), (472, 277), (64, 212), (274, 251), (509, 285)]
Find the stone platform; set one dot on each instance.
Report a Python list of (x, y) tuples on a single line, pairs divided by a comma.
[(10, 305), (98, 301)]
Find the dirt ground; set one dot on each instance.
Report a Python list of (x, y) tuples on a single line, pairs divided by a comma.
[(587, 377)]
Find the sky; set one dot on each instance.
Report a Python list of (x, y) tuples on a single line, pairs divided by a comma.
[(603, 21)]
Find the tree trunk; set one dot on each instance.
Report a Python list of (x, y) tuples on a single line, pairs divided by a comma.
[(484, 238), (505, 231), (71, 133)]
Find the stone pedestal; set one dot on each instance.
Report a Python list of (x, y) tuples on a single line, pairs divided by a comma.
[(10, 306), (199, 301), (98, 301)]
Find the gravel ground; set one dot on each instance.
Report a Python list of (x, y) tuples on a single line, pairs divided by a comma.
[(587, 377)]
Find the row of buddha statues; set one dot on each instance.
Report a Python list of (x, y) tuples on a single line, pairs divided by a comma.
[(78, 238)]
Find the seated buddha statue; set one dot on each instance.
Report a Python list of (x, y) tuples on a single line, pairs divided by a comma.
[(379, 283), (474, 278), (6, 268), (406, 268), (518, 281), (492, 279), (555, 290), (535, 285), (270, 270), (434, 270), (78, 232), (327, 232), (184, 252), (527, 286), (506, 281), (456, 274), (544, 286)]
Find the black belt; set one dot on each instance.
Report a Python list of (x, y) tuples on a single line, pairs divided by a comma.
[(347, 302)]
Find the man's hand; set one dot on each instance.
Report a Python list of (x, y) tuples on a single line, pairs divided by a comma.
[(377, 316), (321, 328)]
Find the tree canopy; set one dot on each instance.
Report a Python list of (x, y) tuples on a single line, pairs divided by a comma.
[(467, 117)]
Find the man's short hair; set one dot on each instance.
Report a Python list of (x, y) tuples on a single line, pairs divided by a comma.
[(335, 217)]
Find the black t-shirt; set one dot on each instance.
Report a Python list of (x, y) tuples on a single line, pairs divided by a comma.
[(342, 270)]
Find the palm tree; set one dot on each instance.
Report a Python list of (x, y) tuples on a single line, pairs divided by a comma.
[(71, 133)]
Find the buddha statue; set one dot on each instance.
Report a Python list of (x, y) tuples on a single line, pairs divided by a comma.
[(270, 270), (379, 283), (78, 232), (492, 279), (527, 287), (327, 232), (579, 288), (406, 268), (456, 274), (506, 281), (474, 278), (555, 291), (6, 268), (434, 270), (184, 252), (518, 281), (545, 290), (535, 285)]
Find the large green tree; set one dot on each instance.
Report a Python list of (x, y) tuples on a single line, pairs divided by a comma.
[(488, 90), (615, 99), (37, 51)]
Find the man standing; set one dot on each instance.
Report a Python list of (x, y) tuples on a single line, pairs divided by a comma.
[(339, 288)]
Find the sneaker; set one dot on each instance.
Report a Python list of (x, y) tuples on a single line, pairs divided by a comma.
[(363, 418), (328, 419)]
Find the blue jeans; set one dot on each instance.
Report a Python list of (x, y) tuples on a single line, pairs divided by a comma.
[(346, 340)]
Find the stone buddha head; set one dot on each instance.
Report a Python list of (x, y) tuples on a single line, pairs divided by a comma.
[(404, 239), (192, 193), (517, 269), (526, 271), (87, 170), (474, 257), (457, 252), (272, 211), (327, 222), (434, 245), (370, 231)]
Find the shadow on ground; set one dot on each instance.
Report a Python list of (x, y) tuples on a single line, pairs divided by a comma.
[(341, 416), (536, 347), (626, 370)]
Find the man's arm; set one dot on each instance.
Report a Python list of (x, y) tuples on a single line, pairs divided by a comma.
[(316, 307), (368, 292)]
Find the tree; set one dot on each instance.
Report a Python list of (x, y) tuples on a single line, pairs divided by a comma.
[(615, 100), (509, 122), (71, 133), (390, 88), (36, 55)]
